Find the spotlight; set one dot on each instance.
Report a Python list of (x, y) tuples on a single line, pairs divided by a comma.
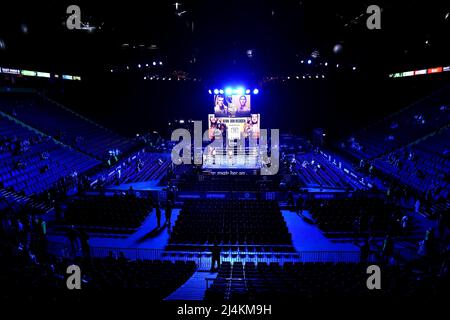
[(302, 61), (154, 63), (209, 91), (221, 91), (247, 91), (315, 54), (240, 91), (309, 61), (160, 63), (338, 49), (139, 66), (146, 64), (216, 91), (228, 91), (255, 91), (354, 68), (326, 64), (24, 28)]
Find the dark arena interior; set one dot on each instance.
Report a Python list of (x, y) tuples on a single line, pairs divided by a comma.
[(224, 158)]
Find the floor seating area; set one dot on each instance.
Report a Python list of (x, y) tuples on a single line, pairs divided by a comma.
[(26, 274), (359, 215), (230, 222), (116, 211), (240, 282)]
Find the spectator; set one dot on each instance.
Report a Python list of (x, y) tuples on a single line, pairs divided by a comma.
[(73, 240), (417, 206), (84, 240), (405, 224), (215, 257), (158, 214), (122, 258), (168, 212), (388, 248), (365, 251)]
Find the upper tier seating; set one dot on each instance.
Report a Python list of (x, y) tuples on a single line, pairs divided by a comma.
[(32, 163), (142, 166), (63, 124), (316, 171), (423, 166), (403, 127)]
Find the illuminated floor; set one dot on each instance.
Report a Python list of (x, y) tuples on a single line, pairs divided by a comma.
[(194, 288), (306, 236)]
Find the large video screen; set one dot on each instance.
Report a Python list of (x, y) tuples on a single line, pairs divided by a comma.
[(235, 128), (236, 105)]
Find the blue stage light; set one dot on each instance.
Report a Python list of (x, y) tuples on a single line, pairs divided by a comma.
[(228, 91), (309, 61), (247, 91), (221, 91), (255, 91), (209, 91), (216, 91), (240, 91)]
